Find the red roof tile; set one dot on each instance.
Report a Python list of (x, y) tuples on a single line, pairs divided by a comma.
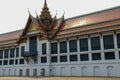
[(78, 21), (92, 18), (10, 36)]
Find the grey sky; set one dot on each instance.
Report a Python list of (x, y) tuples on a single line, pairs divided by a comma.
[(14, 13)]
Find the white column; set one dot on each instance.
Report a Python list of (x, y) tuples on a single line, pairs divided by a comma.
[(48, 53), (15, 55), (115, 40), (68, 51), (38, 45), (49, 56), (3, 56), (78, 49), (102, 47), (68, 47), (58, 52), (38, 49), (15, 52), (58, 46), (48, 48), (115, 46), (8, 55), (89, 48), (78, 45), (89, 44)]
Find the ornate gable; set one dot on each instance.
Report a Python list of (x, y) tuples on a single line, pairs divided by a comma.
[(45, 26), (33, 27)]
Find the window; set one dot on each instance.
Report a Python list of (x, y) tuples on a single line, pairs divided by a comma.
[(95, 43), (84, 44), (0, 62), (63, 58), (108, 42), (5, 62), (54, 48), (43, 59), (11, 62), (96, 56), (84, 57), (109, 55), (33, 45), (44, 48), (73, 58), (1, 54), (73, 45), (6, 53), (12, 51), (16, 61), (54, 59), (21, 61), (17, 52), (36, 61), (118, 40), (63, 47), (22, 50), (119, 54)]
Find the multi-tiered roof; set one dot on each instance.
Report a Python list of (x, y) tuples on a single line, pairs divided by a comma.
[(49, 28)]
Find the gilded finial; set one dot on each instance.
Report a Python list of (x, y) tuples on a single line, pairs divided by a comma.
[(29, 11), (64, 12), (63, 15), (36, 13), (45, 4)]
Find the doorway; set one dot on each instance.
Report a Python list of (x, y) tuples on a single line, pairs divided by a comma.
[(27, 72), (34, 72), (42, 72), (20, 72)]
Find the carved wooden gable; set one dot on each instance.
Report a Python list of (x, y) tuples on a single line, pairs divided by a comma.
[(33, 27)]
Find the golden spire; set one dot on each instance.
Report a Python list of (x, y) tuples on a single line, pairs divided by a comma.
[(45, 5), (45, 15), (45, 11)]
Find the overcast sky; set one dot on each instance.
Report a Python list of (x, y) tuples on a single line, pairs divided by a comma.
[(14, 13)]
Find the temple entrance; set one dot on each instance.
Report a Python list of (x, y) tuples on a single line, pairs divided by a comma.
[(42, 72), (34, 72), (27, 72), (20, 72)]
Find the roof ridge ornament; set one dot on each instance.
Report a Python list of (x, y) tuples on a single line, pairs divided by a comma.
[(45, 16), (29, 12)]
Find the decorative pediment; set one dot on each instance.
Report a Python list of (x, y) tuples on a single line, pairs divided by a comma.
[(33, 27)]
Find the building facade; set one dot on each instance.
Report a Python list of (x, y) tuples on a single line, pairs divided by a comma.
[(87, 45)]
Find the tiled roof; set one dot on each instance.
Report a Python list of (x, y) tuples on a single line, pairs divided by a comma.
[(93, 18), (71, 23), (10, 35)]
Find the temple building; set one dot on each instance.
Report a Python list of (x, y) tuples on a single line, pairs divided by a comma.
[(85, 45)]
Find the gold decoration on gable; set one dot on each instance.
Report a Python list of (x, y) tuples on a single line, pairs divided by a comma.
[(43, 37), (23, 40), (33, 27)]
